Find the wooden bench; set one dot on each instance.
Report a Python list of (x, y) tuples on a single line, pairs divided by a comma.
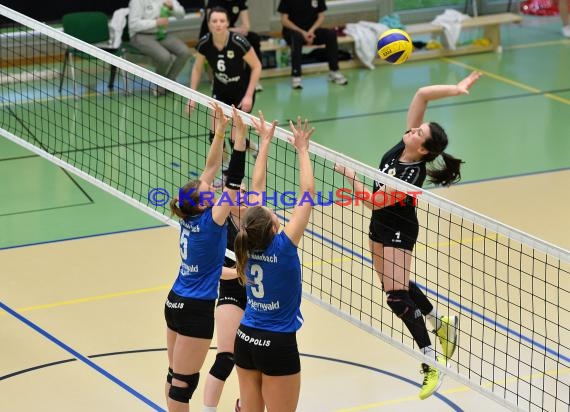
[(491, 25)]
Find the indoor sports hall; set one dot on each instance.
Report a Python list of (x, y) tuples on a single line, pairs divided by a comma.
[(87, 259)]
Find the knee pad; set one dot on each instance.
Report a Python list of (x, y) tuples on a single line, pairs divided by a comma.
[(180, 394), (169, 376), (402, 304), (404, 307), (223, 366)]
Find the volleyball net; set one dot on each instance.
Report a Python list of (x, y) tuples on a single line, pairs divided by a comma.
[(511, 290)]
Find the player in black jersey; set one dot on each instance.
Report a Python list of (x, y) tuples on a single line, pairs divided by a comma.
[(228, 314), (394, 227), (237, 10), (235, 65)]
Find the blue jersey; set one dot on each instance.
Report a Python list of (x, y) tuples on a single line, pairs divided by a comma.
[(202, 250), (274, 287)]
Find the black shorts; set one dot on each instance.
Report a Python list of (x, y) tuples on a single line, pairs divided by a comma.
[(396, 228), (230, 97), (271, 353), (232, 293), (190, 317)]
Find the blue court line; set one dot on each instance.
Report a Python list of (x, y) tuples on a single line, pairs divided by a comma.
[(393, 375), (360, 256), (447, 299), (80, 357)]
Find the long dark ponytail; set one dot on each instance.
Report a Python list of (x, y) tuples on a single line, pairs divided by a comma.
[(448, 172), (255, 234)]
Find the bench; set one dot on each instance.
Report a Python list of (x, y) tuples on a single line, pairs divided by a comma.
[(491, 25)]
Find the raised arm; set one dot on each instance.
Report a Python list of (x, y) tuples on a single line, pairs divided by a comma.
[(265, 133), (295, 228), (214, 159), (426, 94), (235, 173)]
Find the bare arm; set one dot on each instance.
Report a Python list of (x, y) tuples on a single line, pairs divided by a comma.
[(195, 79), (214, 159), (253, 61), (426, 94), (265, 133), (295, 228), (385, 196)]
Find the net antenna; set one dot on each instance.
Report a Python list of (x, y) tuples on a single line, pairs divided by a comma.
[(510, 289)]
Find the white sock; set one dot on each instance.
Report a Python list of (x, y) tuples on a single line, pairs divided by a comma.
[(434, 319), (429, 352), (209, 409)]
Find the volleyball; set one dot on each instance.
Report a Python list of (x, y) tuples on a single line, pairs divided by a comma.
[(394, 46)]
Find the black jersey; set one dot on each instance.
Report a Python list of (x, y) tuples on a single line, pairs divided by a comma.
[(410, 172), (231, 72), (232, 233), (413, 173), (397, 225), (233, 7)]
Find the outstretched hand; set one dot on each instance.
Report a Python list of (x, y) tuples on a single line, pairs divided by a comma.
[(301, 134), (264, 131), (464, 85), (220, 119)]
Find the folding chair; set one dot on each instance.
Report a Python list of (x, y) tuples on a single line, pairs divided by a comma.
[(91, 27)]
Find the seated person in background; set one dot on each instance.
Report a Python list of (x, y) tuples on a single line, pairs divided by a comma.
[(302, 21), (148, 22), (237, 9)]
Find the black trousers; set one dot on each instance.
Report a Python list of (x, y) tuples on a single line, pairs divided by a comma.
[(295, 40)]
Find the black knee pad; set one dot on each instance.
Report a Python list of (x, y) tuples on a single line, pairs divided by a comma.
[(401, 303), (404, 307), (180, 394), (169, 376), (223, 366)]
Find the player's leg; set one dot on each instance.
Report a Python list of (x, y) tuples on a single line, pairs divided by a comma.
[(248, 375), (187, 359), (170, 342), (281, 393), (250, 389), (445, 327), (228, 317), (396, 278)]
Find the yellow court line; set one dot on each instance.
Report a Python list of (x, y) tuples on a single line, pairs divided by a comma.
[(508, 81), (91, 299)]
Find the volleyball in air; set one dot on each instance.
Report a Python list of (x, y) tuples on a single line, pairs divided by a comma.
[(394, 46)]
